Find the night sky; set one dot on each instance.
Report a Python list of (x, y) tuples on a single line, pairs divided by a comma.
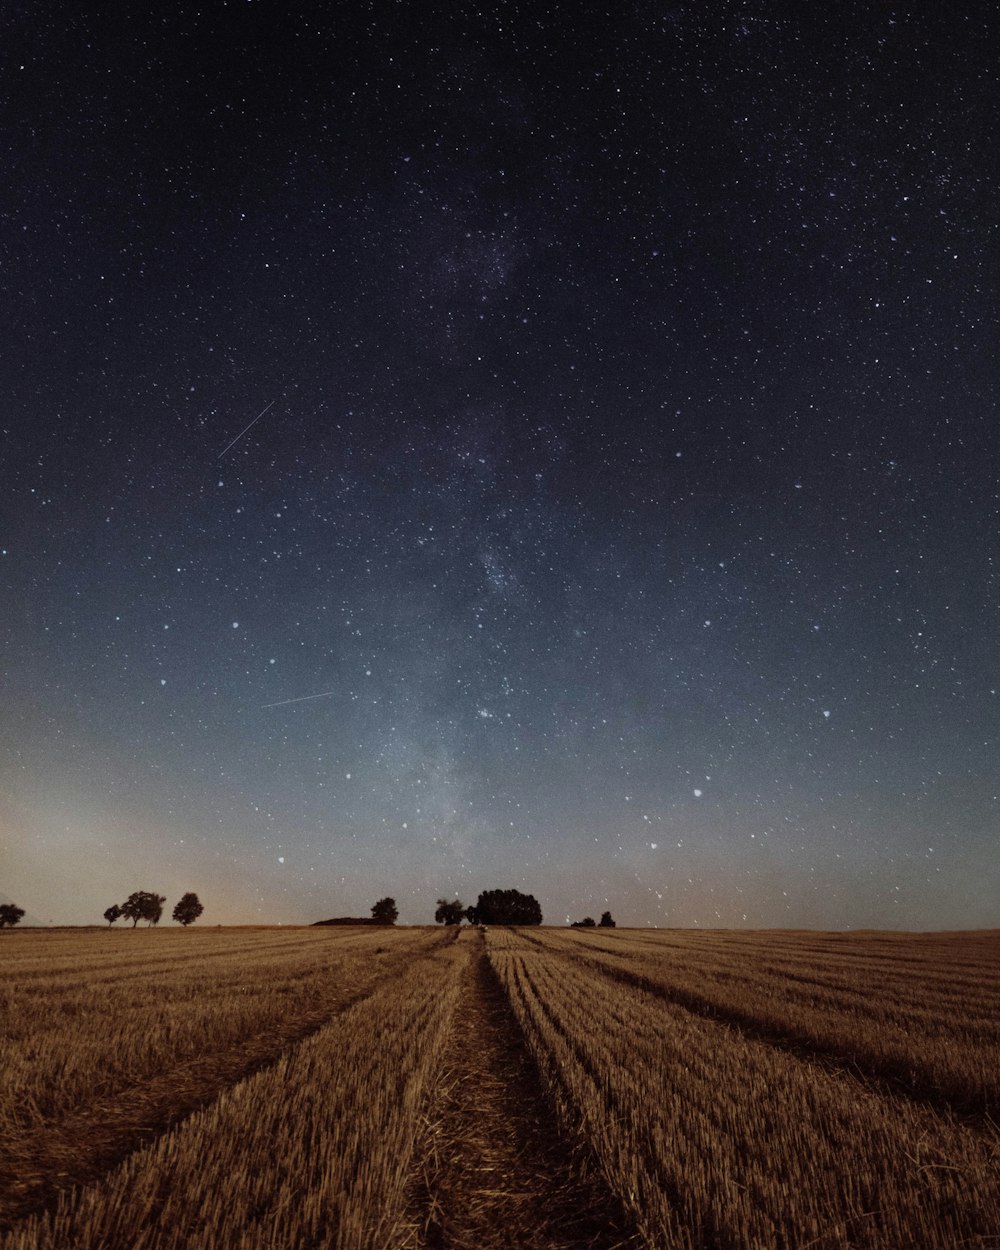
[(452, 448)]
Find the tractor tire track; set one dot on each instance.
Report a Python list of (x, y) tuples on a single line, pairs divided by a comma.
[(497, 1170)]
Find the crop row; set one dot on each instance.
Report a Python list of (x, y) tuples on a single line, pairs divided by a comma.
[(97, 1030), (931, 977), (937, 1034), (312, 1151), (95, 1064), (713, 1138)]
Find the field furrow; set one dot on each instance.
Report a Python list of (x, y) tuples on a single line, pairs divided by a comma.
[(495, 1170), (716, 1140)]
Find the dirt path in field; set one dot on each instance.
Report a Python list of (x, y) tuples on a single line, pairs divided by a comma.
[(496, 1171)]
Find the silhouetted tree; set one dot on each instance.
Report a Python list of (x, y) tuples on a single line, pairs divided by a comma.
[(188, 909), (606, 921), (9, 914), (143, 905), (449, 913), (508, 907), (113, 913), (587, 922), (385, 911)]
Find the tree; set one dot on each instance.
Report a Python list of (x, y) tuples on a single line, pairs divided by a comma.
[(143, 905), (449, 913), (606, 921), (508, 907), (9, 914), (188, 909), (112, 914), (586, 923), (385, 911)]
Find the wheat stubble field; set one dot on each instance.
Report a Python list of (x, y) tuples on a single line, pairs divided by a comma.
[(539, 1088)]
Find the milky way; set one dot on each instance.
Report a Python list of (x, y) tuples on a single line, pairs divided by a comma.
[(544, 447)]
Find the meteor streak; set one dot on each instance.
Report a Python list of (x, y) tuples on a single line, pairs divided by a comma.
[(325, 694), (243, 431)]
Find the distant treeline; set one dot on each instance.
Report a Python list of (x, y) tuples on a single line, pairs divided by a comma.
[(501, 907)]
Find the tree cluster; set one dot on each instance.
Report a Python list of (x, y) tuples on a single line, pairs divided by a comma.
[(493, 907), (10, 914), (505, 907), (606, 922), (145, 905)]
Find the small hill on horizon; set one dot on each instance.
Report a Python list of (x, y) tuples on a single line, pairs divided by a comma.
[(369, 920)]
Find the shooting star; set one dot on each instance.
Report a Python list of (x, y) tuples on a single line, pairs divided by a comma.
[(242, 432), (303, 698)]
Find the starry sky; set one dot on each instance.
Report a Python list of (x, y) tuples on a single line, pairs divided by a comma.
[(548, 446)]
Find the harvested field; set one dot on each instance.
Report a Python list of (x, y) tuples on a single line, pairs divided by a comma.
[(416, 1089), (720, 1138), (112, 1037), (921, 1010)]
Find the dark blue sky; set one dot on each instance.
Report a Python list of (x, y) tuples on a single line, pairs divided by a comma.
[(620, 522)]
